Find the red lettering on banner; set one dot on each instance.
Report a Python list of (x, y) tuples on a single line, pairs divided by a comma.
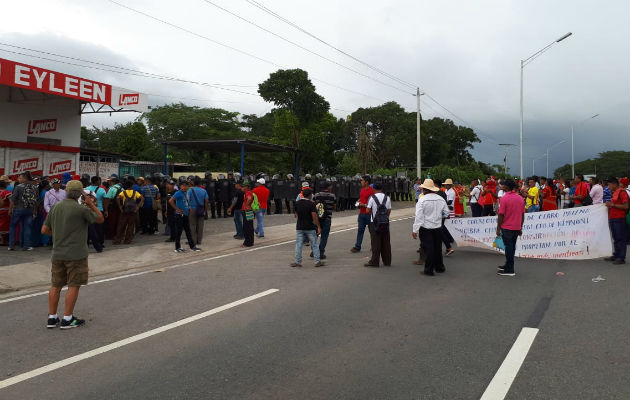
[(42, 80), (38, 126), (28, 164), (59, 167), (128, 99)]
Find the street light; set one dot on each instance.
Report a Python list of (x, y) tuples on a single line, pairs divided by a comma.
[(523, 64), (534, 163), (572, 154), (506, 146), (548, 150)]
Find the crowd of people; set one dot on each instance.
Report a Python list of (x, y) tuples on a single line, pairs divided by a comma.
[(75, 211)]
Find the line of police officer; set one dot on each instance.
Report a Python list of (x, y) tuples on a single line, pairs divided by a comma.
[(285, 190)]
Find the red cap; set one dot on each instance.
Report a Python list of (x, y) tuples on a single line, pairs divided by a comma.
[(76, 177), (624, 181)]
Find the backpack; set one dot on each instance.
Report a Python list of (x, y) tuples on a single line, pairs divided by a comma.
[(200, 209), (30, 196), (129, 203), (587, 200), (255, 203), (381, 218)]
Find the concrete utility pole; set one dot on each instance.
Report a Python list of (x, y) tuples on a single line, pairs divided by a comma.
[(418, 144)]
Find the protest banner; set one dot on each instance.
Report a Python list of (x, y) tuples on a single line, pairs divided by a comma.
[(571, 234)]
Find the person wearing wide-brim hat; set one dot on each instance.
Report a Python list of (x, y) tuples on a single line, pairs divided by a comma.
[(430, 209)]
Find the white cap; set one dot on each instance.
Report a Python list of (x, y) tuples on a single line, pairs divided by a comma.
[(261, 181)]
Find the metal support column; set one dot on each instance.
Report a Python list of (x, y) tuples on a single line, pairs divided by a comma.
[(165, 168), (242, 159)]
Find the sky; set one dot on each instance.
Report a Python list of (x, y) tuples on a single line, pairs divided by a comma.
[(463, 54)]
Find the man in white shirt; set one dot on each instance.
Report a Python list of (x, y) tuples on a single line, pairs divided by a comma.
[(450, 197), (475, 193), (54, 195), (597, 191), (379, 227), (430, 210)]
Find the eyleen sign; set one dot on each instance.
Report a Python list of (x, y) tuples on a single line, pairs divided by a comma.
[(43, 80)]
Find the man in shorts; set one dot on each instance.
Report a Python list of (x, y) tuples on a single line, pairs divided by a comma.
[(68, 224)]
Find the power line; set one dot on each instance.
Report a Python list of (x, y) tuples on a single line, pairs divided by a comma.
[(142, 75), (231, 47), (285, 20), (110, 65), (303, 47)]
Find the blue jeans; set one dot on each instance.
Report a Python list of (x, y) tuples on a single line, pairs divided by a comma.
[(364, 221), (260, 226), (509, 239), (323, 239), (299, 242), (620, 237), (23, 217), (533, 208), (238, 222)]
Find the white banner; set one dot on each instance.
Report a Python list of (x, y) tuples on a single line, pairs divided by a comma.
[(576, 233)]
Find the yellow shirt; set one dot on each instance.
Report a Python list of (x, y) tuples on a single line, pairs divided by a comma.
[(533, 191), (129, 193)]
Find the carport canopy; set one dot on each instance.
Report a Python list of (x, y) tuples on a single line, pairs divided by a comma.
[(231, 146)]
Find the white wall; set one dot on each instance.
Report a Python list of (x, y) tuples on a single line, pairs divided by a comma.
[(16, 113)]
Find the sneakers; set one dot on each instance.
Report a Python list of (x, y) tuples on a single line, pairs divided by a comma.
[(180, 250), (319, 264), (449, 252), (195, 249), (354, 250), (73, 323), (618, 262), (52, 323), (503, 273), (11, 249), (293, 265), (370, 265), (28, 248)]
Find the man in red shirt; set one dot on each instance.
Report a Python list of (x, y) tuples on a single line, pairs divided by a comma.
[(510, 224), (364, 215), (581, 190), (617, 210), (248, 215), (262, 193)]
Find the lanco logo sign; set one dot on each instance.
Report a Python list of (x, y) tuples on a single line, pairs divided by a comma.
[(28, 164), (37, 126), (59, 167), (128, 99)]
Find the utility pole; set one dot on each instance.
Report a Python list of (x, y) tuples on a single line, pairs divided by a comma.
[(506, 145), (418, 144)]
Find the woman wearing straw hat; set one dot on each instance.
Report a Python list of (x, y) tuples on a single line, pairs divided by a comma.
[(430, 209)]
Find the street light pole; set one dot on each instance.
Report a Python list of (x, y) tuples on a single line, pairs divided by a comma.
[(505, 145), (572, 154), (523, 64)]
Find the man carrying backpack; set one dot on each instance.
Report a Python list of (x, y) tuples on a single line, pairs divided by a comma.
[(129, 202), (325, 203), (22, 209), (379, 206)]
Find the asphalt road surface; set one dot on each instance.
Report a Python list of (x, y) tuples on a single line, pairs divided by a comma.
[(338, 332)]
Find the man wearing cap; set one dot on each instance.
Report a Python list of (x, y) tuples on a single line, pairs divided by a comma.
[(68, 223), (364, 215), (54, 195), (248, 215), (262, 193), (430, 209)]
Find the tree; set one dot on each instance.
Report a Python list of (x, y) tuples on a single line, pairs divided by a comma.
[(607, 164), (130, 138), (291, 90)]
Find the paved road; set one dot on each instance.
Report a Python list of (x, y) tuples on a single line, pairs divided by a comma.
[(338, 332)]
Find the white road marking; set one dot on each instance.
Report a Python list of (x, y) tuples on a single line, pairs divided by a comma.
[(502, 381), (26, 296), (100, 350)]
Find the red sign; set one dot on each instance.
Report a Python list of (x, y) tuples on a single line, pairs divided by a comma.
[(28, 164), (38, 126), (60, 167), (128, 99), (43, 80)]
